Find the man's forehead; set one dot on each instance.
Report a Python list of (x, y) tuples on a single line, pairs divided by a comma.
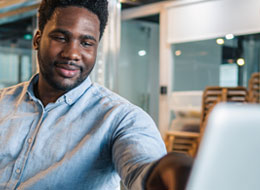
[(74, 18), (74, 12)]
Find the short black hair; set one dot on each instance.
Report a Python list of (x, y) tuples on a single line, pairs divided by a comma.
[(98, 7)]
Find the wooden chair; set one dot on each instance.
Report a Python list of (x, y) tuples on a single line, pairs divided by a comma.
[(215, 94), (181, 141), (254, 88), (188, 142)]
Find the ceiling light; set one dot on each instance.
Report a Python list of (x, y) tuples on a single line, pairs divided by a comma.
[(240, 61), (220, 41), (229, 36), (142, 53), (178, 52)]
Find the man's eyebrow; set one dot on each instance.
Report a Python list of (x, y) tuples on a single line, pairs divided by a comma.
[(89, 37), (59, 30)]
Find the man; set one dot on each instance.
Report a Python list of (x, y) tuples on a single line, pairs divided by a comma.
[(60, 131)]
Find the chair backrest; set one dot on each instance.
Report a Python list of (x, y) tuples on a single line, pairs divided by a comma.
[(182, 142), (189, 142), (213, 95), (254, 88)]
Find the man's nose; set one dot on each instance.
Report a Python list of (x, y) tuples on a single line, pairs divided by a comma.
[(71, 51)]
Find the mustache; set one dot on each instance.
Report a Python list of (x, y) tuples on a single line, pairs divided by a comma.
[(68, 63)]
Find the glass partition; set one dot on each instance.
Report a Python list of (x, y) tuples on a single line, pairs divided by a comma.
[(15, 52), (139, 64), (227, 61)]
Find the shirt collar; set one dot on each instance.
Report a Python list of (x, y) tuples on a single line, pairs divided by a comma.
[(70, 97), (32, 83)]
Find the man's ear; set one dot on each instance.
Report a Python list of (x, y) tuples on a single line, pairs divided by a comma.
[(37, 39)]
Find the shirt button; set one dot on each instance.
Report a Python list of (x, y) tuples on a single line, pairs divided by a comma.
[(18, 171), (69, 100), (29, 140)]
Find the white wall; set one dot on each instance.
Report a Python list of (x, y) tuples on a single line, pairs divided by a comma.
[(210, 19)]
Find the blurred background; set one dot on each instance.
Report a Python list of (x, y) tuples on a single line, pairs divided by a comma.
[(160, 55)]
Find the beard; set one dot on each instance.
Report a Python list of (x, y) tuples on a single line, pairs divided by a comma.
[(47, 71), (48, 76)]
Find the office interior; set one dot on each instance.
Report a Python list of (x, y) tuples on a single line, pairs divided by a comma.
[(160, 55)]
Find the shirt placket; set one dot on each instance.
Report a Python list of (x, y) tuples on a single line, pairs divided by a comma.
[(23, 156)]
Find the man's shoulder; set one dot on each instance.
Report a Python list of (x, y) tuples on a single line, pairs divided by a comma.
[(107, 94), (14, 90), (123, 108), (110, 98)]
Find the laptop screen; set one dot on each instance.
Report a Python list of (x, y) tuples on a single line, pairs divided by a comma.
[(229, 154)]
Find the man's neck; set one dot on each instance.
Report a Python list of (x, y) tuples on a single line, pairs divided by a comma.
[(46, 93)]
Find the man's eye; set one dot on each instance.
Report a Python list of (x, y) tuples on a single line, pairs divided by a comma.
[(86, 44), (59, 38)]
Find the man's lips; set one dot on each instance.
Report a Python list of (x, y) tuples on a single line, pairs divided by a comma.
[(67, 70)]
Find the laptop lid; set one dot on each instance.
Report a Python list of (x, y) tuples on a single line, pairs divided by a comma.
[(229, 154)]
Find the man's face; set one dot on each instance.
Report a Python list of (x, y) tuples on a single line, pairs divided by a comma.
[(67, 47)]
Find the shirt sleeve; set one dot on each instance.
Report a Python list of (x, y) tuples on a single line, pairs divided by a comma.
[(137, 146)]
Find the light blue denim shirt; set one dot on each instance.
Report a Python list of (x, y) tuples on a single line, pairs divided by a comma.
[(85, 140)]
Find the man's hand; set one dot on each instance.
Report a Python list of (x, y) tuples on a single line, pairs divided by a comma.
[(170, 173)]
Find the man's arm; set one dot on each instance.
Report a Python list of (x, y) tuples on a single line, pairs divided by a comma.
[(137, 146), (139, 155)]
